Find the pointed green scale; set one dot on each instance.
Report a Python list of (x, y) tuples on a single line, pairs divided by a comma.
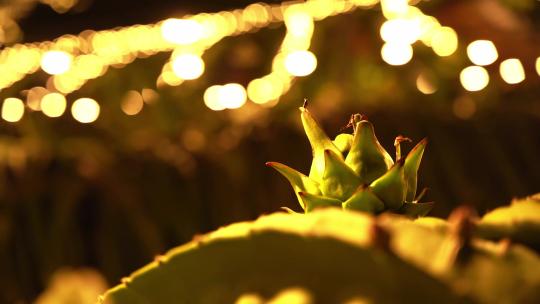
[(340, 166), (319, 142), (338, 180), (412, 163), (364, 200), (390, 187), (298, 181), (312, 201), (343, 142), (367, 157)]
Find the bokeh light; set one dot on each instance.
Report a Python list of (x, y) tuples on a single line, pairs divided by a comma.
[(401, 30), (53, 104), (232, 95), (474, 78), (264, 90), (132, 103), (181, 31), (12, 109), (482, 52), (211, 98), (444, 41), (56, 62), (425, 85), (188, 66), (538, 66), (512, 71), (85, 110), (300, 63), (396, 53)]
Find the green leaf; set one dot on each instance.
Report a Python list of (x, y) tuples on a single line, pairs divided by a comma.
[(390, 187), (298, 181), (313, 202), (412, 163), (367, 157), (364, 200), (338, 180), (319, 142)]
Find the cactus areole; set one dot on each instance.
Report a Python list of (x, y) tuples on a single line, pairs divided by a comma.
[(355, 172)]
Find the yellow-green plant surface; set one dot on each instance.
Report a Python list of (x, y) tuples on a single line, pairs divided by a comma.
[(355, 172), (336, 256)]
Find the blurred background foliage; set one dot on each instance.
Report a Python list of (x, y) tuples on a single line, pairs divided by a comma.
[(112, 194)]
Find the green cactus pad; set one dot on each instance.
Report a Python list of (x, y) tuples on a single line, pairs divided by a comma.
[(329, 253), (520, 222), (336, 256)]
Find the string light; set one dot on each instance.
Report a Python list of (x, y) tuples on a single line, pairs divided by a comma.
[(211, 98), (132, 103), (474, 78), (12, 109), (425, 85), (53, 104), (56, 62), (396, 53), (85, 110), (181, 31), (512, 71), (74, 60), (482, 52), (444, 41), (300, 63), (232, 95), (188, 66)]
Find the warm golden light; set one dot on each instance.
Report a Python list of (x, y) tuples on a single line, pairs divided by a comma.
[(181, 31), (232, 95), (401, 30), (396, 53), (211, 98), (298, 22), (300, 63), (56, 62), (512, 71), (538, 66), (33, 98), (53, 104), (474, 78), (132, 103), (444, 41), (394, 8), (264, 90), (425, 85), (188, 66), (482, 52), (149, 96), (85, 110), (12, 109)]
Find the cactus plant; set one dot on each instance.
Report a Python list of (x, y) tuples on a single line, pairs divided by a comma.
[(338, 255), (355, 172), (352, 253)]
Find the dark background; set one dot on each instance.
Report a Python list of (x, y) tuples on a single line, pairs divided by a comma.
[(113, 194)]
